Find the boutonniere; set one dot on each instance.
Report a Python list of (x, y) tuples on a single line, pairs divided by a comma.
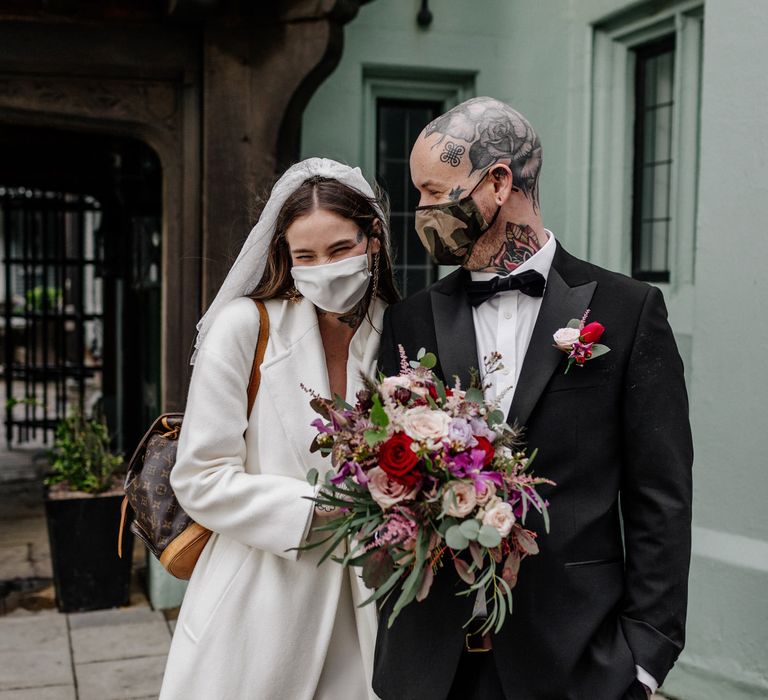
[(579, 340)]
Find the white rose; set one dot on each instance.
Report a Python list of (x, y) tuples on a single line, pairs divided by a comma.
[(387, 492), (566, 337), (422, 423), (459, 498), (501, 517)]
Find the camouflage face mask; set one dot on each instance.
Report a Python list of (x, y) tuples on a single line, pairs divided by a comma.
[(449, 231)]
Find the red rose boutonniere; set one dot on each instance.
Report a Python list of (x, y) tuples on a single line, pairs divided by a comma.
[(579, 340)]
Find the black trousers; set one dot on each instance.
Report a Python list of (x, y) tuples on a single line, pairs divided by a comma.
[(476, 678)]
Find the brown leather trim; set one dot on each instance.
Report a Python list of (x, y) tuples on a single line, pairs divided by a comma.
[(123, 509), (181, 554), (261, 346)]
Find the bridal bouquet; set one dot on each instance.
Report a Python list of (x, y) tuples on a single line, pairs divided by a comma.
[(425, 475)]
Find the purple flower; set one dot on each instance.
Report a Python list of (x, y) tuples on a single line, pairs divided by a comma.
[(321, 427), (460, 431), (350, 469), (481, 429)]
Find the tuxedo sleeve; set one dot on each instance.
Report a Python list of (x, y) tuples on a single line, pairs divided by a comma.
[(389, 357), (656, 493)]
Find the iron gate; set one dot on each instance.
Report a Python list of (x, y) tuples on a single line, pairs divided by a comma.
[(53, 309)]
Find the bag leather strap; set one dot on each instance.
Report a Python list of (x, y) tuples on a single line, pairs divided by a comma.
[(258, 356)]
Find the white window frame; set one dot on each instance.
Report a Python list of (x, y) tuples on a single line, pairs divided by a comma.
[(611, 147), (407, 83)]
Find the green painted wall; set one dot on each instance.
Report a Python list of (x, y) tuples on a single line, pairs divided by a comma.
[(544, 59)]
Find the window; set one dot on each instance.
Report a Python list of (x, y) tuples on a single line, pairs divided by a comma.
[(398, 123), (644, 142), (398, 102), (652, 220)]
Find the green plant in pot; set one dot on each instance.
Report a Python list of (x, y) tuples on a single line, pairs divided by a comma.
[(82, 501)]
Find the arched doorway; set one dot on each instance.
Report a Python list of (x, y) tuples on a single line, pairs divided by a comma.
[(80, 224)]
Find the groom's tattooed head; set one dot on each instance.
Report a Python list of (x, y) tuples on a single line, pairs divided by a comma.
[(477, 134)]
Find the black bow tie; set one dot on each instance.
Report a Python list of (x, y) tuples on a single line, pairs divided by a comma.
[(529, 282)]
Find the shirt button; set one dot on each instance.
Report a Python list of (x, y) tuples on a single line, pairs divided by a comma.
[(507, 315), (505, 372)]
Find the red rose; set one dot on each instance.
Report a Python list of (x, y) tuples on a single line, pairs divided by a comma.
[(398, 460), (592, 332), (484, 444), (433, 392)]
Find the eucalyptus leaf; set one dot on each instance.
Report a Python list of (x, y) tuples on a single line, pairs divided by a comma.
[(495, 417), (429, 360), (421, 353), (312, 476), (470, 528), (455, 538), (446, 523), (489, 536), (574, 323), (474, 395), (501, 613)]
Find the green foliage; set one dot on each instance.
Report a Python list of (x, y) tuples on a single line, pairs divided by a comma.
[(379, 416), (40, 297), (81, 457)]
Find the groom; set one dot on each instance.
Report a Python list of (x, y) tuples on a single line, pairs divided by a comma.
[(600, 612)]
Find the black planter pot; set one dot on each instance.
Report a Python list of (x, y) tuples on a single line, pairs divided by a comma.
[(87, 573)]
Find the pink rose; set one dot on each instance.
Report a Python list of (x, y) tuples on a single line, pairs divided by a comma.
[(459, 498), (387, 492), (501, 517)]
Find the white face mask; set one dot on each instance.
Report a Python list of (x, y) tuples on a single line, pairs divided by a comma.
[(335, 287)]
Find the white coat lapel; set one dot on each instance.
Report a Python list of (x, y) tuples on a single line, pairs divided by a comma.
[(298, 359)]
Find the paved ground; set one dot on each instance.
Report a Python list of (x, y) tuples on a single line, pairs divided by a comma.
[(45, 655)]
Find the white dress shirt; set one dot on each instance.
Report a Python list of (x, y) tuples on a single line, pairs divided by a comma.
[(504, 324)]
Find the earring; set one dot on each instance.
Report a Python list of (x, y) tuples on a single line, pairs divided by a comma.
[(294, 295), (375, 275)]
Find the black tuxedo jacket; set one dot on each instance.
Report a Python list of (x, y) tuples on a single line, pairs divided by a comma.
[(609, 588)]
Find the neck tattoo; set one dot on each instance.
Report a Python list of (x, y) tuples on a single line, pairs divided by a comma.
[(520, 244)]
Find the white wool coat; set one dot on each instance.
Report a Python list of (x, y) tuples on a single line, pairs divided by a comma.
[(258, 617)]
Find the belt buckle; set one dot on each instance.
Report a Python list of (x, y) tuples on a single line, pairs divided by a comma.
[(475, 643)]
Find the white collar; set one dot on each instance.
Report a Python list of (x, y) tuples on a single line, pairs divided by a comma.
[(540, 261)]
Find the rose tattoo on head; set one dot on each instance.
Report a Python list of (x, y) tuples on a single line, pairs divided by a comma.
[(496, 133)]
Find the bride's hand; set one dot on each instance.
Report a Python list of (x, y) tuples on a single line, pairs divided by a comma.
[(326, 512)]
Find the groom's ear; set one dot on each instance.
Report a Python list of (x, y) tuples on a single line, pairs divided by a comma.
[(503, 183)]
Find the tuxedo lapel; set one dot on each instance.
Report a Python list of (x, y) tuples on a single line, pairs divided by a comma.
[(560, 304), (454, 329)]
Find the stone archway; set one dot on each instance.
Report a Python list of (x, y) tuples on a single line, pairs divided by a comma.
[(217, 93)]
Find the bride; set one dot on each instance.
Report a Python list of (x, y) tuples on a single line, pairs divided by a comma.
[(260, 619)]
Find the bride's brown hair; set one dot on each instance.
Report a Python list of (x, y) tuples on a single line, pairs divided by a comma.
[(334, 196)]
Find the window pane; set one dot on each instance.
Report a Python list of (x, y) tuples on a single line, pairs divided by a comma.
[(398, 123), (654, 106)]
